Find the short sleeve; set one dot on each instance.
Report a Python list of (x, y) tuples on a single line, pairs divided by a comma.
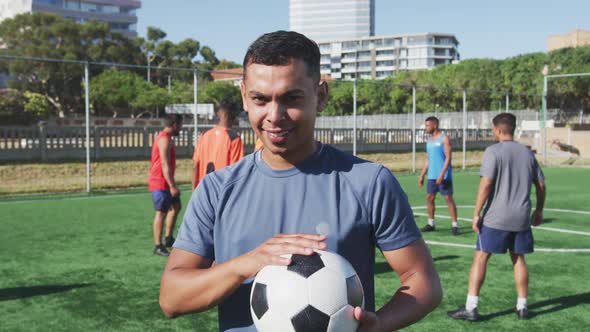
[(196, 232), (488, 165), (392, 218)]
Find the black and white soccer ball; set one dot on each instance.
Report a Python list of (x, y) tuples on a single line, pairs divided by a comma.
[(314, 293)]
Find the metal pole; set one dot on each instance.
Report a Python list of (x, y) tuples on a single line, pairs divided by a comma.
[(169, 86), (148, 66), (507, 102), (354, 117), (414, 128), (87, 105), (196, 121), (543, 119), (464, 129)]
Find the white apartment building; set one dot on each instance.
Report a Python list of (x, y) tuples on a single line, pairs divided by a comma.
[(119, 14), (381, 57)]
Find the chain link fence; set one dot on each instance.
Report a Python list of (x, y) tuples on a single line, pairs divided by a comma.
[(92, 126)]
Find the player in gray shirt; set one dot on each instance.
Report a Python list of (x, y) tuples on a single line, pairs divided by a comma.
[(507, 173)]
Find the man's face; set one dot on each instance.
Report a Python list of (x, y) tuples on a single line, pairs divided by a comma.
[(282, 102), (176, 128), (430, 127)]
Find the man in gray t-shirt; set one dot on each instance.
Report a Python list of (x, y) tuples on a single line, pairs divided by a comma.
[(507, 172)]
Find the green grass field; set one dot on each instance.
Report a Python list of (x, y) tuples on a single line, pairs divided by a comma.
[(75, 263)]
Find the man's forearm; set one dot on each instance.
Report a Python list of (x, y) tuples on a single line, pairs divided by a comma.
[(186, 290), (541, 190), (482, 195), (418, 295), (167, 172)]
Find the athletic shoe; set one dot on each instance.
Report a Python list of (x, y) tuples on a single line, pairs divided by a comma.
[(455, 230), (160, 250), (428, 228), (464, 314), (522, 314), (169, 241)]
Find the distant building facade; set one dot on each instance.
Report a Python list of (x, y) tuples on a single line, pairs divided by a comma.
[(322, 20), (381, 57), (119, 14), (575, 38)]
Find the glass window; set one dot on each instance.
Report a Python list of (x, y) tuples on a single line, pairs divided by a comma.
[(73, 4)]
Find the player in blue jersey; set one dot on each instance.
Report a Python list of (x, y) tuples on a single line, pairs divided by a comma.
[(440, 174), (276, 201)]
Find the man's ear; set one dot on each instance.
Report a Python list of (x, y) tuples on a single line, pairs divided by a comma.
[(323, 94), (243, 93)]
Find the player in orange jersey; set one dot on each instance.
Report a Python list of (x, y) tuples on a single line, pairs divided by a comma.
[(219, 146)]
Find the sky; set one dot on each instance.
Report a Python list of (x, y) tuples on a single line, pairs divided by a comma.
[(485, 29)]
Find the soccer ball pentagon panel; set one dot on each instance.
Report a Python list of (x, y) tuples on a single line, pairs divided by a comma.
[(314, 293)]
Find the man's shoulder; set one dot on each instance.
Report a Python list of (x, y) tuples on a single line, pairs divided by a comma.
[(357, 169), (232, 173)]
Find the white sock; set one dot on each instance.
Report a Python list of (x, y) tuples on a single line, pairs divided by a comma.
[(455, 224), (471, 302), (521, 303), (431, 222)]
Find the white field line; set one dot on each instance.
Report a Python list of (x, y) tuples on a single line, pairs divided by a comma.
[(560, 230), (423, 207), (449, 244), (78, 198)]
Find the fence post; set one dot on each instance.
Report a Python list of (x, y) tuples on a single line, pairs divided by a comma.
[(414, 128), (146, 142), (464, 128), (354, 117), (96, 142), (43, 141), (87, 106), (507, 102)]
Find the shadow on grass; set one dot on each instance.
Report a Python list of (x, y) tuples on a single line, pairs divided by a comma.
[(16, 293), (383, 267), (546, 306), (548, 220)]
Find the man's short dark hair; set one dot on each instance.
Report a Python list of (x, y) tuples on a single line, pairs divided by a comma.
[(280, 48), (230, 108), (432, 119), (506, 122), (171, 119)]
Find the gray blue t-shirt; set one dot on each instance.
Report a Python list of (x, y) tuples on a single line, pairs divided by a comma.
[(237, 208), (513, 168)]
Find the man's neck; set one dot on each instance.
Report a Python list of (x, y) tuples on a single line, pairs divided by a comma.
[(436, 133), (506, 138), (223, 124), (280, 162)]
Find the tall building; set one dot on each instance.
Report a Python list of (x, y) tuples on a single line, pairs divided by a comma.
[(322, 20), (381, 57), (575, 38), (119, 14)]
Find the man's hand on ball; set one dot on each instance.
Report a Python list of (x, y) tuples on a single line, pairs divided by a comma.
[(368, 321), (269, 252)]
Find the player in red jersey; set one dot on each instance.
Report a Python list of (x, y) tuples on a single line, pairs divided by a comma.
[(165, 193)]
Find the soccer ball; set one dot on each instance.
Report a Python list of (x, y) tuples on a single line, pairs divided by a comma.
[(314, 293)]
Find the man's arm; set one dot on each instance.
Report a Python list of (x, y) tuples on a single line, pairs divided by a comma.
[(448, 153), (164, 147), (191, 283), (485, 187), (423, 173), (420, 291), (541, 192)]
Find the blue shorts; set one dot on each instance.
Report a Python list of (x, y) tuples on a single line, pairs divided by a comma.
[(445, 188), (163, 200), (497, 241)]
